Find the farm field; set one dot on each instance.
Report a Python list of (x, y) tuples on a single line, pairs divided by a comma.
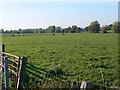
[(66, 60)]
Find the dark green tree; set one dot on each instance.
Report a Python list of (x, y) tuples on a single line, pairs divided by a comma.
[(94, 27), (67, 30), (40, 30), (104, 29), (78, 30), (58, 29), (116, 27), (43, 31), (1, 30), (51, 29), (109, 27), (86, 29), (72, 30)]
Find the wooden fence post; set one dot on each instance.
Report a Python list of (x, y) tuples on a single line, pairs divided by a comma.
[(18, 71), (1, 68), (3, 47), (6, 72), (21, 72), (86, 85)]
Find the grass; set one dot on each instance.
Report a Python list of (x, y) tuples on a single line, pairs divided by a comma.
[(66, 60), (110, 31)]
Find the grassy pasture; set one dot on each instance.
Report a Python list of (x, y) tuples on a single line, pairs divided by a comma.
[(57, 60)]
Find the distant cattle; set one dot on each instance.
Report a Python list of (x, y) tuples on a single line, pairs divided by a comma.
[(18, 35)]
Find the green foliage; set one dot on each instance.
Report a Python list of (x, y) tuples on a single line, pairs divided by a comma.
[(109, 27), (104, 29), (58, 30), (116, 27), (94, 27), (63, 61), (73, 29), (51, 29), (86, 29), (66, 30)]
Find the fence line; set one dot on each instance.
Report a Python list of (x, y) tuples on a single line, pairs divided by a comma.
[(16, 66), (6, 72), (9, 54), (20, 68)]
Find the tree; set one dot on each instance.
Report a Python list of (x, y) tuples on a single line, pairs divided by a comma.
[(75, 29), (86, 29), (66, 30), (110, 27), (104, 29), (94, 27), (72, 30), (51, 29), (78, 30), (40, 30), (116, 27), (2, 31), (20, 30), (58, 29), (43, 31)]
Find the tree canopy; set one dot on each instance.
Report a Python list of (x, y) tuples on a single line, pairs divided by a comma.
[(116, 27), (104, 29), (94, 27)]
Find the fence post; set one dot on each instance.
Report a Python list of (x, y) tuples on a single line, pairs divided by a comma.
[(86, 85), (21, 72), (18, 71), (3, 47), (1, 59), (6, 72)]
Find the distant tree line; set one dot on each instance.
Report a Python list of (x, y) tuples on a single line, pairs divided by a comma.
[(94, 27)]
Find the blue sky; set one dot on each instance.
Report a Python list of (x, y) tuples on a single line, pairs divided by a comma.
[(29, 14)]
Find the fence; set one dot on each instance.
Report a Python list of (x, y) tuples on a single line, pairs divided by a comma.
[(13, 65), (17, 66)]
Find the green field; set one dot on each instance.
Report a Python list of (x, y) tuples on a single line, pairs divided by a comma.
[(66, 60)]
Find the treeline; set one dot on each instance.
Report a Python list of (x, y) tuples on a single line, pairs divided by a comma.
[(94, 27)]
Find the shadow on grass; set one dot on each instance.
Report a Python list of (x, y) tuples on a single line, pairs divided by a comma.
[(42, 78)]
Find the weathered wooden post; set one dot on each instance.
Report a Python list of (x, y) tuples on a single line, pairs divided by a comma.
[(86, 85), (6, 72), (21, 72), (3, 47), (1, 67), (18, 71)]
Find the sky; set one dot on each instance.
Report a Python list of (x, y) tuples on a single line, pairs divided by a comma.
[(15, 14)]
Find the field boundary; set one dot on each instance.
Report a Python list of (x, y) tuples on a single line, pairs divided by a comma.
[(15, 65)]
